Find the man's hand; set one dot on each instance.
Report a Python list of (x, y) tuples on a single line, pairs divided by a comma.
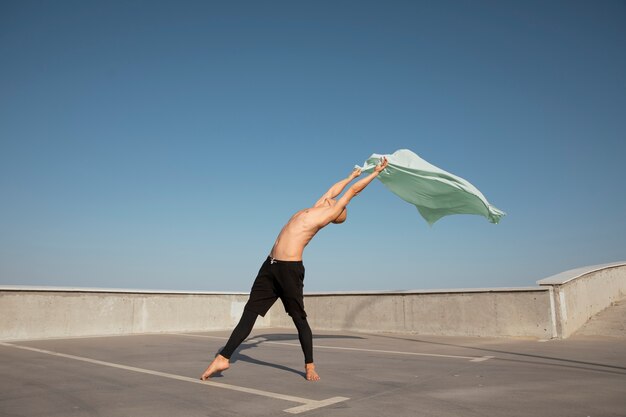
[(358, 186), (382, 164), (355, 173)]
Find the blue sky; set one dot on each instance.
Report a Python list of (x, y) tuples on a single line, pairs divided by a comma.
[(162, 145)]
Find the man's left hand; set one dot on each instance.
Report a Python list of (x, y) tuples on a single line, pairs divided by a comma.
[(355, 173)]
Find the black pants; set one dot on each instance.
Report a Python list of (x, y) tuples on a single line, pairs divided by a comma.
[(276, 279)]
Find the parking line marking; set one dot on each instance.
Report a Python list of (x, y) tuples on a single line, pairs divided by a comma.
[(482, 358), (394, 352), (313, 406), (308, 404)]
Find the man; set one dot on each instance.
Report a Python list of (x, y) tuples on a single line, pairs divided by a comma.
[(282, 274)]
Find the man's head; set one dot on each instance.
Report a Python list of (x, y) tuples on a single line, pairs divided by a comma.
[(342, 216)]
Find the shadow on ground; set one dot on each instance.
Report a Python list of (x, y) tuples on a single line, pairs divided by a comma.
[(258, 340)]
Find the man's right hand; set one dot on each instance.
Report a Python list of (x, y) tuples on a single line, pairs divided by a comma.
[(382, 164)]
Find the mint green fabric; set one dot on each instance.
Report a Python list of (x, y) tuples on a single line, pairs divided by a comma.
[(435, 192)]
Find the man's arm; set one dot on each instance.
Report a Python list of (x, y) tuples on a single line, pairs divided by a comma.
[(336, 189), (331, 213), (360, 185)]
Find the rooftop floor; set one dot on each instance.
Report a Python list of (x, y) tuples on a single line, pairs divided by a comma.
[(362, 375)]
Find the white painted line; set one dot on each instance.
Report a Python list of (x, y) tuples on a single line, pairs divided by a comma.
[(393, 352), (307, 403), (314, 405), (484, 358)]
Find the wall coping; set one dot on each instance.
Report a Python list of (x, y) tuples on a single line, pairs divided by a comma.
[(433, 291), (572, 274), (27, 288)]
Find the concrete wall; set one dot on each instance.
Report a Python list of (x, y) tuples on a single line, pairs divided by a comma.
[(488, 312), (46, 313), (31, 313), (579, 294), (561, 305)]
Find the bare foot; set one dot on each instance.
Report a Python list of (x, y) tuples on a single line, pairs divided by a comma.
[(311, 375), (219, 364)]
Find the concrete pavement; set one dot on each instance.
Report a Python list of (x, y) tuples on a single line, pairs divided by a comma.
[(362, 375)]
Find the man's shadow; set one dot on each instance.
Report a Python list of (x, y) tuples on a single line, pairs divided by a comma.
[(258, 340)]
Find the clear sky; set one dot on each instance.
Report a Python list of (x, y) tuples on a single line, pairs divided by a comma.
[(162, 145)]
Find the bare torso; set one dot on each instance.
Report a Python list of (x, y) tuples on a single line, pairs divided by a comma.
[(297, 233)]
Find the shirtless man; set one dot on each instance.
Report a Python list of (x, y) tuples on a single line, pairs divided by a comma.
[(282, 274)]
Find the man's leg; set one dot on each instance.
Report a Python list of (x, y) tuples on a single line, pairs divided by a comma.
[(262, 296), (306, 337), (239, 334), (306, 341), (291, 278)]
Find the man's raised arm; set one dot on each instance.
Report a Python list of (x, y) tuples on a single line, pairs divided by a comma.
[(336, 189), (358, 186), (331, 213)]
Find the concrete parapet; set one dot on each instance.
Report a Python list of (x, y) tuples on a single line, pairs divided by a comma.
[(466, 312), (578, 294), (557, 308), (36, 313)]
